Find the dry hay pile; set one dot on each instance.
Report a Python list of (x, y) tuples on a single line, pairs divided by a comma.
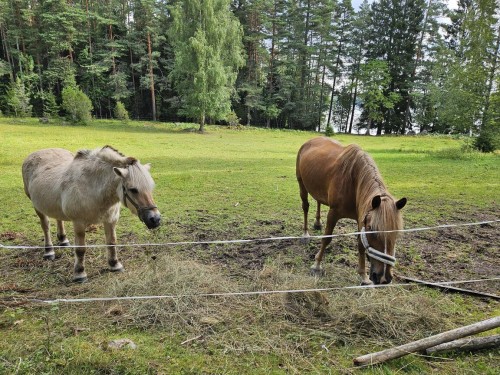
[(260, 323)]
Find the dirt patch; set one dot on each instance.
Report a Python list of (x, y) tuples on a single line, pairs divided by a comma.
[(451, 254)]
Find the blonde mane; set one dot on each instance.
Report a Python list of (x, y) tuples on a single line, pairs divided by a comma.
[(360, 171), (106, 154)]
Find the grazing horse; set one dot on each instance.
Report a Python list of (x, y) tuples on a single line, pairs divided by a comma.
[(87, 189), (347, 180)]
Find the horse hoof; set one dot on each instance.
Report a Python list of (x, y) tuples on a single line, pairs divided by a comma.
[(305, 240), (317, 272), (65, 243), (318, 226), (366, 283), (80, 279), (49, 256), (116, 267)]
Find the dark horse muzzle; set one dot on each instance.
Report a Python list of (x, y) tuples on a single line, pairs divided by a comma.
[(149, 215), (384, 276)]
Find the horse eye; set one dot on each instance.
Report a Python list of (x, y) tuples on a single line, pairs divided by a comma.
[(133, 190)]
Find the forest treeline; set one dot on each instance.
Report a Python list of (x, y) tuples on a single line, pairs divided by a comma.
[(391, 65)]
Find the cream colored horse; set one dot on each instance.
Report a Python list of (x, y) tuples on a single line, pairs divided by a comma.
[(87, 189)]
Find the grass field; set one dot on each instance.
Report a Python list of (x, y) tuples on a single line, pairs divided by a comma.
[(240, 184)]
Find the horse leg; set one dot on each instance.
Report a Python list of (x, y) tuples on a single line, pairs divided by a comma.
[(365, 280), (49, 253), (114, 263), (331, 221), (80, 276), (305, 206), (317, 223), (61, 234)]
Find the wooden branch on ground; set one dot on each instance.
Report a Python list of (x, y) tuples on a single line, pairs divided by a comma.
[(448, 288), (467, 345), (420, 345)]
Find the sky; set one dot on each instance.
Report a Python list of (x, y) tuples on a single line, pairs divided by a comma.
[(452, 4)]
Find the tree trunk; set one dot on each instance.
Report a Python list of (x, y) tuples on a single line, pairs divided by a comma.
[(5, 45), (491, 78), (353, 104), (321, 95), (337, 63), (136, 104), (416, 346), (152, 82), (467, 345), (415, 66), (202, 123)]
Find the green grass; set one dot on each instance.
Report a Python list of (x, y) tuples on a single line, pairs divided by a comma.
[(230, 184)]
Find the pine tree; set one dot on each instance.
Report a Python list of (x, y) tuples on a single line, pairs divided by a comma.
[(18, 100)]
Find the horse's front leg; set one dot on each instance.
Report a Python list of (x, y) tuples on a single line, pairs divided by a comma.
[(365, 280), (80, 275), (331, 221), (114, 263)]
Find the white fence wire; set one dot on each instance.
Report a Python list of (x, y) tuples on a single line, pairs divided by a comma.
[(251, 293)]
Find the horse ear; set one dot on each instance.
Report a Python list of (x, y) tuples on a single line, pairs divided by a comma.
[(376, 201), (121, 172), (401, 203), (147, 166)]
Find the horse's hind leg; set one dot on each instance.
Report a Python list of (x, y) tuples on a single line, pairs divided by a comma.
[(305, 205), (80, 275), (317, 223), (331, 221), (49, 253), (61, 234), (114, 263)]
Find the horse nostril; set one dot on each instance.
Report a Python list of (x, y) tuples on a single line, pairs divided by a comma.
[(155, 221), (375, 278)]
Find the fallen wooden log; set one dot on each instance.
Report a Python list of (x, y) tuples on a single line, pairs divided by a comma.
[(448, 288), (467, 345), (420, 345)]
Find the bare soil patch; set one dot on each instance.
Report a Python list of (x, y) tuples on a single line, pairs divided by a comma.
[(439, 255)]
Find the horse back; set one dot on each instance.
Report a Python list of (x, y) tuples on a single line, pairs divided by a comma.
[(316, 167), (42, 171)]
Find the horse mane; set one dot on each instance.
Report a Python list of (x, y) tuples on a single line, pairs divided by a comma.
[(107, 154), (359, 171)]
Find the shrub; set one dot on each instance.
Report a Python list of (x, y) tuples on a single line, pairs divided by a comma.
[(18, 100), (121, 112), (328, 131), (233, 119), (488, 140), (50, 106), (77, 105)]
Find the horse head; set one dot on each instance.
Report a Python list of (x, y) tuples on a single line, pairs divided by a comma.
[(379, 234), (136, 192)]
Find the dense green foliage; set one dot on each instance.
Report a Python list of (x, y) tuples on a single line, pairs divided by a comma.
[(207, 53), (76, 104), (304, 63)]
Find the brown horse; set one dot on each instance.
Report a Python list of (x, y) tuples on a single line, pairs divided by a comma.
[(347, 180), (87, 189)]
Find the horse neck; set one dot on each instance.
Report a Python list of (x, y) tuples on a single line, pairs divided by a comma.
[(105, 182), (368, 184)]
